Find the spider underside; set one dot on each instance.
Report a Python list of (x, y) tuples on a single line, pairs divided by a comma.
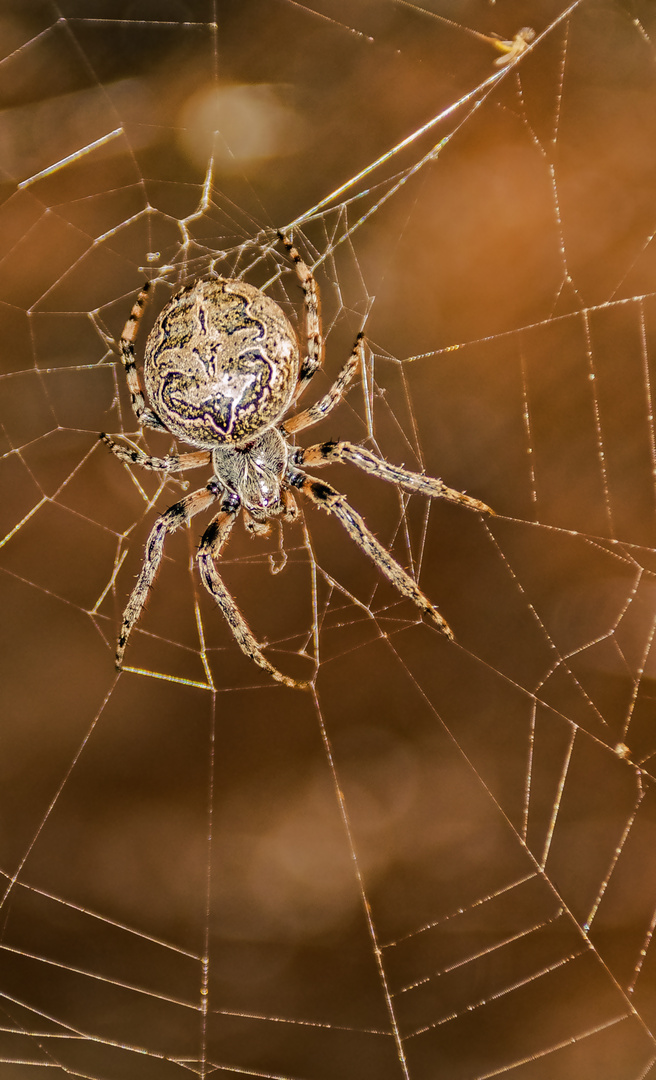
[(222, 370)]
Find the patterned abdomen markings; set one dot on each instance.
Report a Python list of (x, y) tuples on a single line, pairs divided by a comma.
[(221, 363)]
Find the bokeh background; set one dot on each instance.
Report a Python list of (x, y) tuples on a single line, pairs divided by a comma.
[(439, 863)]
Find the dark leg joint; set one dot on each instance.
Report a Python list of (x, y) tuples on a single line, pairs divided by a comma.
[(296, 480), (209, 537), (175, 516), (322, 492), (231, 503), (290, 247)]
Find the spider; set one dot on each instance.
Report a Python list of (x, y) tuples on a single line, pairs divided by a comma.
[(222, 369)]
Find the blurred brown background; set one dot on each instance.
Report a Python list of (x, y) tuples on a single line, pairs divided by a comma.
[(441, 863)]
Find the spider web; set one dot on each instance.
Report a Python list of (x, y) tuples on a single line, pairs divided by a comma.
[(440, 863)]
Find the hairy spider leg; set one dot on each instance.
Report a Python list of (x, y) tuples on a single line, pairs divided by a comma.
[(172, 463), (172, 519), (333, 502), (143, 414), (324, 453), (313, 358), (212, 543), (322, 407)]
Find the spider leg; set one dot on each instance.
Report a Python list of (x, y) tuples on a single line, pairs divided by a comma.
[(314, 338), (317, 411), (332, 502), (143, 414), (213, 541), (177, 515), (172, 463), (323, 453)]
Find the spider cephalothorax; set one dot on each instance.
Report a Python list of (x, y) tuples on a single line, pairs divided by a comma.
[(222, 369)]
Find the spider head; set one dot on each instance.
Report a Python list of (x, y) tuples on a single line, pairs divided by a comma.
[(255, 471)]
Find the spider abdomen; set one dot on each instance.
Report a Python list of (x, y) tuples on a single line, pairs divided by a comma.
[(221, 363)]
